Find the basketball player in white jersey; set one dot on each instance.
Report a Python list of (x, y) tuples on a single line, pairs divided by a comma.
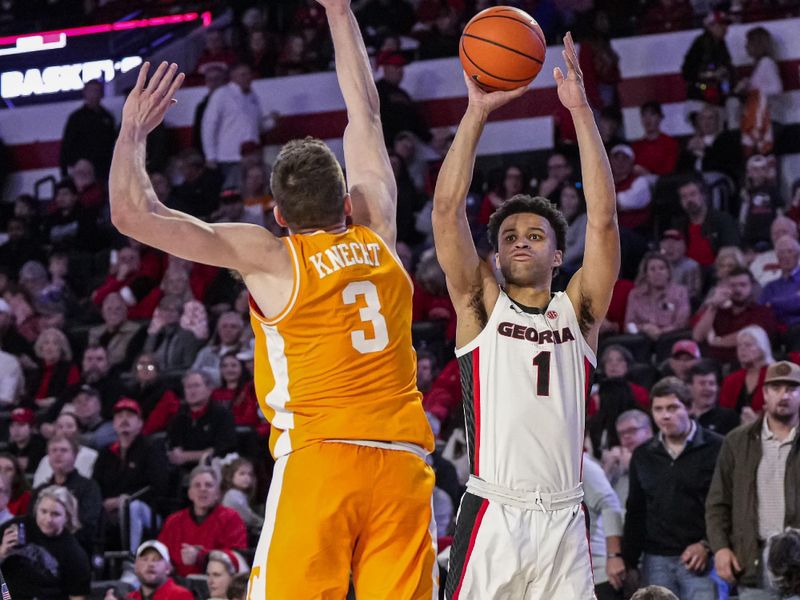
[(526, 356)]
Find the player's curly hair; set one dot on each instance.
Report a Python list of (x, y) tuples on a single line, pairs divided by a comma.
[(308, 184), (537, 205), (784, 562)]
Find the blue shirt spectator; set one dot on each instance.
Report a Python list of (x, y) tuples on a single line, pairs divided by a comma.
[(783, 294)]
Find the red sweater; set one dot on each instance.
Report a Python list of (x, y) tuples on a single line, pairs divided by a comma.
[(732, 386), (242, 403), (659, 156), (19, 506), (169, 591), (640, 394), (445, 392), (222, 529), (161, 416)]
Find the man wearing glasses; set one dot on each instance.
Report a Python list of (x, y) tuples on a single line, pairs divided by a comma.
[(634, 429)]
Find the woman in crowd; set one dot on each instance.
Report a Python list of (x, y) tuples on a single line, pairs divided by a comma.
[(743, 390), (573, 206), (223, 566), (656, 305), (19, 489), (227, 338), (57, 372), (46, 561), (238, 487), (236, 391), (614, 363)]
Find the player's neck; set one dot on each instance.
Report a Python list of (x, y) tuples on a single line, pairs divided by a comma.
[(531, 297), (338, 228)]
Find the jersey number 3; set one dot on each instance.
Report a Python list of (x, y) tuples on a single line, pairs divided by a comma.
[(371, 313), (542, 363)]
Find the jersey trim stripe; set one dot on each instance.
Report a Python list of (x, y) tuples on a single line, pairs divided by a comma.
[(295, 290), (468, 400), (476, 396), (470, 516), (278, 397), (588, 370)]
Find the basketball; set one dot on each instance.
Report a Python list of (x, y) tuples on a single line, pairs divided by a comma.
[(502, 48)]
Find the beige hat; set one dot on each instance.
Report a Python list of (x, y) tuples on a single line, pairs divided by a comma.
[(783, 371)]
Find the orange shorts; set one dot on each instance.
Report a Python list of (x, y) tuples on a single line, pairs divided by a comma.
[(337, 510)]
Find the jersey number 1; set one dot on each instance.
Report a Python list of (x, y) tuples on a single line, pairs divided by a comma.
[(371, 313), (542, 363)]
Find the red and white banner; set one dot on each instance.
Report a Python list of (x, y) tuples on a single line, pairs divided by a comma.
[(313, 105)]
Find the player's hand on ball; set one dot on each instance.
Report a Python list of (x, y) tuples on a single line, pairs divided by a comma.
[(148, 101), (570, 87), (490, 101)]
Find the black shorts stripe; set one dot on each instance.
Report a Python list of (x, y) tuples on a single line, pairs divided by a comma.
[(467, 516), (468, 400)]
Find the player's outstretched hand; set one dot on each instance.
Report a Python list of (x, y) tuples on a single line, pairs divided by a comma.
[(146, 105), (490, 101), (570, 87)]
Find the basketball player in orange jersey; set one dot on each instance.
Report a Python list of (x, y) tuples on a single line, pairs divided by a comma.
[(335, 368), (526, 357)]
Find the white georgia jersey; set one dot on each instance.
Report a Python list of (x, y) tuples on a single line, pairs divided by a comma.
[(524, 382)]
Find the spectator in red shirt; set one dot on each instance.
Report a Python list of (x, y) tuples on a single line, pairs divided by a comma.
[(236, 392), (190, 534), (615, 317), (444, 394), (656, 152), (633, 189), (730, 309), (125, 277), (57, 371), (216, 53), (20, 488), (152, 568), (159, 403), (743, 390), (705, 229)]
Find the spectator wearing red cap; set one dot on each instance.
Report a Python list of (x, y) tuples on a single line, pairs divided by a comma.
[(743, 390), (152, 568), (685, 271), (398, 110), (683, 356), (23, 442), (222, 566), (190, 534), (633, 189), (130, 472)]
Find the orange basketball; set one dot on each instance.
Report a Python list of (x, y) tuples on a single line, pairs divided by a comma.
[(502, 48)]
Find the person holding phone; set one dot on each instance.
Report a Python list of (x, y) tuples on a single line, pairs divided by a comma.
[(39, 554)]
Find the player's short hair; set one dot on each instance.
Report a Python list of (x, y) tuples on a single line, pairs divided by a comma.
[(653, 592), (537, 205), (672, 386), (308, 184)]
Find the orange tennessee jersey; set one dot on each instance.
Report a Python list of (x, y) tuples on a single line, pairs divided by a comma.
[(337, 363)]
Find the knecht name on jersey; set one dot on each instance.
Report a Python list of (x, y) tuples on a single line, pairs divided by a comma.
[(521, 332), (340, 256)]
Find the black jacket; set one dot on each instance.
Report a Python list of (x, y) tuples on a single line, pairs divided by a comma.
[(144, 465), (666, 501), (90, 506), (213, 428), (89, 134), (719, 228)]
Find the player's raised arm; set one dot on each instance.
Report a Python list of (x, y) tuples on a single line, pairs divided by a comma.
[(370, 178), (454, 246), (590, 288), (137, 212)]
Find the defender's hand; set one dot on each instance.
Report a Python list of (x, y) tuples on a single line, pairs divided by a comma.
[(570, 88), (145, 107)]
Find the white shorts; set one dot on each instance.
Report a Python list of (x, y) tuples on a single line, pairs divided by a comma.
[(502, 551)]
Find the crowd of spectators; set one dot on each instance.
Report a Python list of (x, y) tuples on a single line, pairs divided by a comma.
[(135, 452)]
